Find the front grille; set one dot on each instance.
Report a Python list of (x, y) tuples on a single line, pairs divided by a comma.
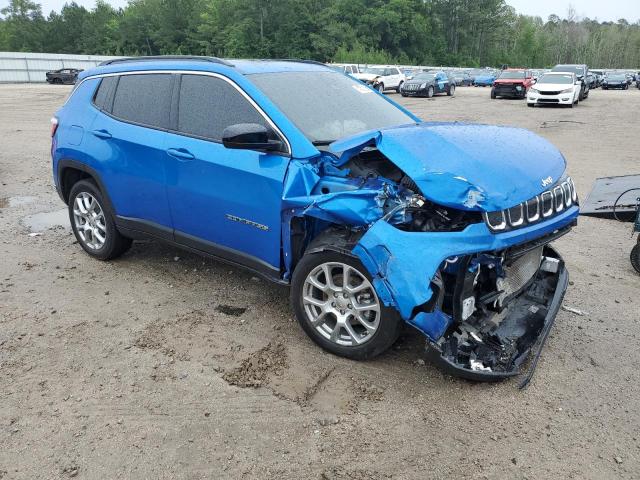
[(411, 87), (541, 207), (550, 93)]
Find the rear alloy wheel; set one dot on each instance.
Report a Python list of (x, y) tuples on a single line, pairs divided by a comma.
[(452, 90), (336, 304), (92, 224), (429, 92)]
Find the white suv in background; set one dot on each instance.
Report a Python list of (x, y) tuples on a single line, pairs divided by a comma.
[(382, 77), (348, 68)]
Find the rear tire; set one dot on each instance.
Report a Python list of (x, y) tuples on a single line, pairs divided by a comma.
[(635, 257), (329, 319), (398, 90), (93, 224), (452, 90)]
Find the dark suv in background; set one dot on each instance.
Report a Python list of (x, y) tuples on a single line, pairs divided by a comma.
[(63, 75), (582, 72)]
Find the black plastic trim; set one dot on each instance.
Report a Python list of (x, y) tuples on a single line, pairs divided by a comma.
[(138, 228), (68, 163)]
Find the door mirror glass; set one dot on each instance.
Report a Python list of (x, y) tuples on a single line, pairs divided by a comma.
[(249, 136)]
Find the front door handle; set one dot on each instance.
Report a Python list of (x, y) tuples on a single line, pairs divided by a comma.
[(181, 154), (101, 134)]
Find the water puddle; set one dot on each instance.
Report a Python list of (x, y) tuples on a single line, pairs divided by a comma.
[(16, 201), (47, 220)]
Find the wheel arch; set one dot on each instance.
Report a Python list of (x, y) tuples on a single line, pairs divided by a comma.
[(71, 172), (309, 235)]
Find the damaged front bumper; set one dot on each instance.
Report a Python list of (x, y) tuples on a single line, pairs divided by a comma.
[(490, 350), (484, 301)]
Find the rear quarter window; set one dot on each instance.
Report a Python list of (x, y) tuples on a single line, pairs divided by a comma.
[(103, 93), (144, 99)]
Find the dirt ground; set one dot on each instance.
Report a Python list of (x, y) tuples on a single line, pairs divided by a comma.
[(166, 365)]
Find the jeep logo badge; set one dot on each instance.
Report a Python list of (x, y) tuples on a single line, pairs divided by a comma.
[(547, 181)]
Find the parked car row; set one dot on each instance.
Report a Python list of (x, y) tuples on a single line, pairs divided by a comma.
[(564, 84)]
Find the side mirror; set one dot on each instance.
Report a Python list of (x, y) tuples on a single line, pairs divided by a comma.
[(249, 136)]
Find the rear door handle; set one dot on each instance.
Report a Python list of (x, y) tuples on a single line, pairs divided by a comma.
[(181, 154), (101, 134)]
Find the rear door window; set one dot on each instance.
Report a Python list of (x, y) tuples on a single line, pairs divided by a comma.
[(144, 99), (209, 104)]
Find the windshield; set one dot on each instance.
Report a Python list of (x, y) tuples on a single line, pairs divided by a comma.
[(424, 77), (374, 70), (339, 106), (512, 75), (616, 77), (564, 79), (569, 68)]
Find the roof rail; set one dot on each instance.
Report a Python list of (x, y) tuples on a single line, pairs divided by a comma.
[(297, 60), (191, 58)]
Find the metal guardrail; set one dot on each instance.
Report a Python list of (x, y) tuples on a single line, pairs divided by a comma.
[(18, 67)]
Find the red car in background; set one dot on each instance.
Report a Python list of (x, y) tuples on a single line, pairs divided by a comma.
[(512, 82)]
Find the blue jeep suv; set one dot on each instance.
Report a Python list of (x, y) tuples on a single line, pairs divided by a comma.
[(310, 178)]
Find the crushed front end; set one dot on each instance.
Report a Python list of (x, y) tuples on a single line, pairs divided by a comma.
[(485, 296), (453, 230)]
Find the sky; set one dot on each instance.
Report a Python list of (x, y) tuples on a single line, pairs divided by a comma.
[(603, 10)]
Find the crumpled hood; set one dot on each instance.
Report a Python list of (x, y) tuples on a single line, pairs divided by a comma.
[(471, 167), (509, 80), (365, 76)]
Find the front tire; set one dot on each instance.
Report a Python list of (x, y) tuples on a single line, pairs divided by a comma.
[(493, 94), (399, 89), (93, 224), (380, 88), (430, 92), (334, 300), (452, 90)]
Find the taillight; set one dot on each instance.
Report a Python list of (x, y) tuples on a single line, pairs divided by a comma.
[(54, 125)]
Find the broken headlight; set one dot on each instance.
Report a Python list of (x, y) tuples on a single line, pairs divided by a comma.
[(541, 207)]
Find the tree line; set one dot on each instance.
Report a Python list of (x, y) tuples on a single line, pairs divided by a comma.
[(424, 32)]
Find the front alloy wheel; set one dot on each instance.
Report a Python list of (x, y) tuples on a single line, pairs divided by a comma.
[(341, 304), (337, 306), (380, 88)]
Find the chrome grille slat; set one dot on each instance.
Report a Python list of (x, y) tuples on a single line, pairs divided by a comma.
[(541, 207)]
